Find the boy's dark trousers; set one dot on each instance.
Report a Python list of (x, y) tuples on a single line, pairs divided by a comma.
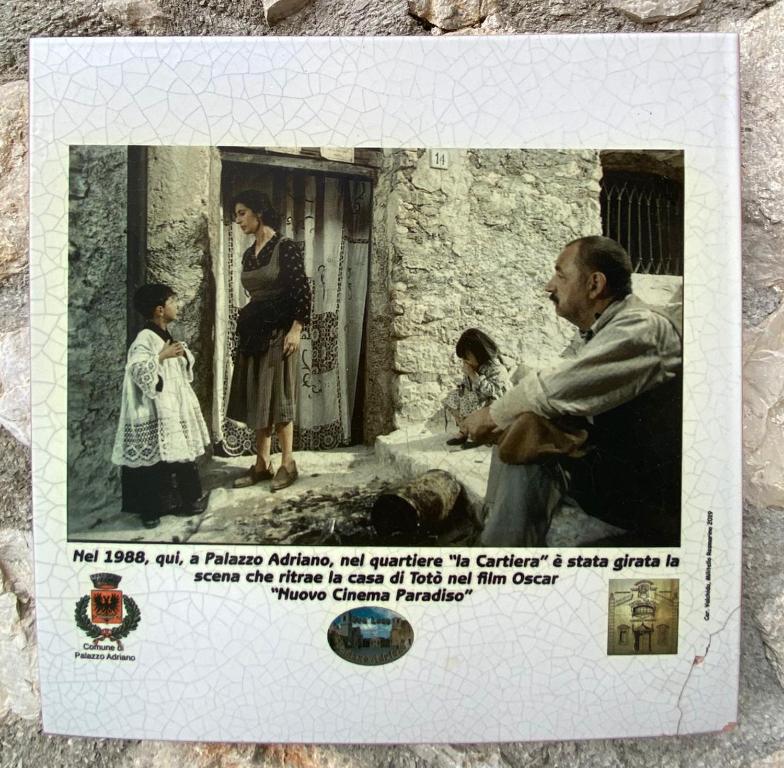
[(162, 489)]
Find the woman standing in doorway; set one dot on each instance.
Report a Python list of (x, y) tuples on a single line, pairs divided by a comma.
[(263, 389)]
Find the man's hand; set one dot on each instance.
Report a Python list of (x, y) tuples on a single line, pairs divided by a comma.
[(480, 427)]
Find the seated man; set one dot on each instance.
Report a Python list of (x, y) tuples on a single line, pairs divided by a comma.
[(621, 376)]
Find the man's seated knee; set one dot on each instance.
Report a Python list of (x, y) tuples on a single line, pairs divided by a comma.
[(520, 502)]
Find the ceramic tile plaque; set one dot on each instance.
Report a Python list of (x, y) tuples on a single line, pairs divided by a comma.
[(581, 580)]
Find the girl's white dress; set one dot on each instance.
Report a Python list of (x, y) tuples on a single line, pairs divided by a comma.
[(160, 418)]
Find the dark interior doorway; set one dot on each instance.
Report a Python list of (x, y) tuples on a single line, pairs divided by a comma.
[(329, 214)]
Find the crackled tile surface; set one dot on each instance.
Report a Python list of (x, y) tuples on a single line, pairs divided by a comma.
[(452, 657)]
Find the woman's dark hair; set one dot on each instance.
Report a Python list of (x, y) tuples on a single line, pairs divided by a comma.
[(150, 296), (478, 343), (260, 204)]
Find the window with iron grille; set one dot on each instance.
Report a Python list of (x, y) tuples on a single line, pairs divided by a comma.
[(644, 213)]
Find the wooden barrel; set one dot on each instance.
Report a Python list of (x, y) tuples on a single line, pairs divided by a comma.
[(422, 503)]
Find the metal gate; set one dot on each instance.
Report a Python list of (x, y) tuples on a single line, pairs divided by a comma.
[(644, 213)]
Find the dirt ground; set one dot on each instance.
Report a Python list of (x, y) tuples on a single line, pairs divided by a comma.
[(331, 502)]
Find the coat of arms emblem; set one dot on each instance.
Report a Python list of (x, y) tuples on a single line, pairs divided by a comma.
[(112, 615)]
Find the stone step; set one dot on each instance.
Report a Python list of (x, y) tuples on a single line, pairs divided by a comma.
[(413, 450)]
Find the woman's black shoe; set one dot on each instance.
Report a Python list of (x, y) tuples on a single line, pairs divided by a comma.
[(459, 440), (153, 522)]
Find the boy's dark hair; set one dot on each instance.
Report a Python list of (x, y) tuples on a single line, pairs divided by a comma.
[(150, 296), (478, 343), (260, 204)]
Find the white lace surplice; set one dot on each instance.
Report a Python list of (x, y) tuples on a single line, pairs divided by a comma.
[(164, 425)]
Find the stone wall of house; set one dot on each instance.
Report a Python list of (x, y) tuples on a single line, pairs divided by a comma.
[(179, 196), (380, 379), (658, 290), (179, 211), (97, 318), (471, 245)]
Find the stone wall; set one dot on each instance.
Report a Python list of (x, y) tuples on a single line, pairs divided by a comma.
[(178, 253), (179, 212), (97, 312), (379, 359), (658, 290), (471, 245)]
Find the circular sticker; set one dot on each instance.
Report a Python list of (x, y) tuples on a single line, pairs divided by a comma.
[(370, 636)]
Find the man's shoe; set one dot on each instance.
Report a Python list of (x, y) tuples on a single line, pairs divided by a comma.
[(284, 478), (253, 476), (152, 522), (468, 444), (457, 440)]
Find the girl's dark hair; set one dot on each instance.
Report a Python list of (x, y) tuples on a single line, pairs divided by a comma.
[(260, 204), (478, 343), (150, 296)]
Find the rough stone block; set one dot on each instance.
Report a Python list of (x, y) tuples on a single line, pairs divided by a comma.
[(418, 354), (762, 75), (18, 669), (13, 178), (775, 760), (275, 10), (658, 290), (406, 158), (649, 11), (15, 499), (15, 383), (762, 79), (769, 619), (137, 15), (416, 401), (450, 15), (763, 413)]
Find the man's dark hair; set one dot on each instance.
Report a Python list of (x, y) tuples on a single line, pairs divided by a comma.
[(478, 343), (601, 254), (150, 296), (260, 204)]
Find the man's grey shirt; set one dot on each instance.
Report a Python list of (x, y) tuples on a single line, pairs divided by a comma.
[(631, 348)]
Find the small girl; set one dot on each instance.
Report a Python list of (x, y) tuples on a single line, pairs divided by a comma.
[(484, 379), (161, 430)]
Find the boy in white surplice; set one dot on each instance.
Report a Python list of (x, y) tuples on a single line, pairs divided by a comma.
[(161, 430)]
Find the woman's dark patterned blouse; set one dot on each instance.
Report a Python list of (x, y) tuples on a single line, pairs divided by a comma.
[(292, 277)]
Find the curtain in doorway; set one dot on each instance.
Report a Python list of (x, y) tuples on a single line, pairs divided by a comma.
[(330, 217)]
